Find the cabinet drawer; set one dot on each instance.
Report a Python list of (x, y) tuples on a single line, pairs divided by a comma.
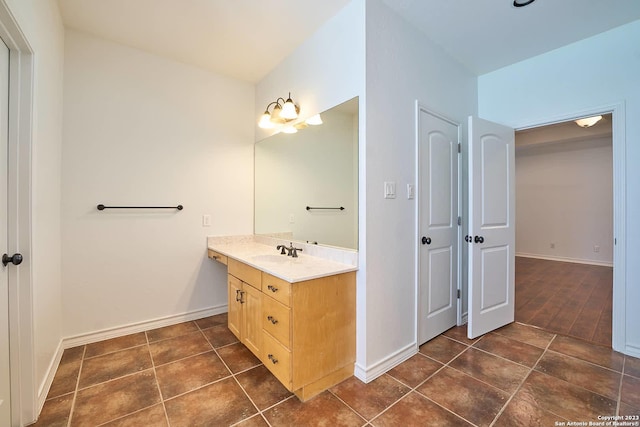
[(276, 288), (245, 273), (276, 320), (216, 256), (277, 359)]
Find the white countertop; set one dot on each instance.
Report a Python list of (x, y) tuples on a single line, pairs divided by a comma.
[(265, 257)]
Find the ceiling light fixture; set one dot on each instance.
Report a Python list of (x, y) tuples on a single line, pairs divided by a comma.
[(587, 122), (522, 3), (283, 112)]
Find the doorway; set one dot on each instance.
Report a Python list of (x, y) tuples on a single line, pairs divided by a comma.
[(564, 237), (23, 387), (5, 369)]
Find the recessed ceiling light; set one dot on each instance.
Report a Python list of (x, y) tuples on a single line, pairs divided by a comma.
[(522, 3)]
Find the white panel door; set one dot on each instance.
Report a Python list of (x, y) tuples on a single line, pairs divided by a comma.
[(438, 225), (491, 226), (5, 406)]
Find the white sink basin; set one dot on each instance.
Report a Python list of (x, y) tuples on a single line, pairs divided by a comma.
[(272, 258)]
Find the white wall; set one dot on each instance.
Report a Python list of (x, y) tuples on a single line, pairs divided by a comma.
[(326, 70), (143, 130), (597, 71), (41, 23), (564, 197), (402, 66)]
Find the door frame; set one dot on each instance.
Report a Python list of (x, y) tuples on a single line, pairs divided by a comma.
[(418, 107), (617, 110), (19, 215)]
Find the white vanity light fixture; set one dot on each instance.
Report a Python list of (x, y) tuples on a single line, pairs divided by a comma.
[(283, 112), (587, 122)]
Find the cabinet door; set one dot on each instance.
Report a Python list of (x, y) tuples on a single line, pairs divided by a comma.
[(235, 307), (252, 318)]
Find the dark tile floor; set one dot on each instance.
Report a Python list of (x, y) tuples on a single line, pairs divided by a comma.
[(565, 298), (197, 374)]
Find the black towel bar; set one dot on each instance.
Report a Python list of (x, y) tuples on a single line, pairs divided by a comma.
[(102, 207), (311, 207)]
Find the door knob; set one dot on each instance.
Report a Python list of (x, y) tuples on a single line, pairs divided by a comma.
[(426, 240), (15, 259), (479, 239)]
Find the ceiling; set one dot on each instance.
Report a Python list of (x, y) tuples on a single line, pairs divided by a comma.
[(245, 39)]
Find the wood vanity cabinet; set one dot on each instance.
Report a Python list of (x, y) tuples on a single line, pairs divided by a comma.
[(245, 301), (216, 256), (303, 332)]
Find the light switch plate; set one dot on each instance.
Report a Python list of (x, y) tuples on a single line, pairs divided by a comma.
[(206, 220), (411, 191), (389, 190)]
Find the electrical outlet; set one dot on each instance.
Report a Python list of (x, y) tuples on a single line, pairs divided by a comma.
[(292, 219), (596, 248), (552, 245)]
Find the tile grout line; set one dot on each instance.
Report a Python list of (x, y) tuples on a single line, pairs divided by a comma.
[(444, 365), (75, 392), (415, 389), (523, 381), (233, 375), (619, 400), (366, 421), (155, 377)]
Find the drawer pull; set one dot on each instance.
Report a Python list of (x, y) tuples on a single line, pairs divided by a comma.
[(237, 295), (272, 358), (272, 320), (272, 288)]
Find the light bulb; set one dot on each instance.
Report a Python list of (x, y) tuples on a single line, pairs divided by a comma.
[(265, 121), (289, 110), (314, 120), (289, 129)]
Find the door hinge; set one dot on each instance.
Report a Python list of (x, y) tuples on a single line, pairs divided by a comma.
[(458, 293), (459, 148), (459, 220)]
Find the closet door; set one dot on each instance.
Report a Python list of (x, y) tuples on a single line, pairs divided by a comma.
[(438, 224), (491, 236)]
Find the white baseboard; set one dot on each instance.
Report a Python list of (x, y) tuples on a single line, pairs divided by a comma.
[(116, 332), (43, 390), (465, 319), (632, 350), (565, 259), (368, 374), (133, 328)]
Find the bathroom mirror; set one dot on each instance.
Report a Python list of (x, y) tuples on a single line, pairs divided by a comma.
[(306, 184)]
